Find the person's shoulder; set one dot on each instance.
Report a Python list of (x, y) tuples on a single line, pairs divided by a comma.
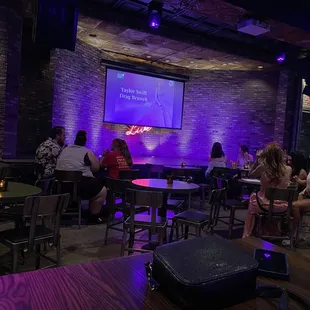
[(288, 169)]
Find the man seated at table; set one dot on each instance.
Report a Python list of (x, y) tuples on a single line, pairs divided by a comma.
[(48, 152), (117, 160)]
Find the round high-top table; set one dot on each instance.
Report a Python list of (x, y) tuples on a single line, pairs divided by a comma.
[(17, 192), (160, 185), (186, 168), (252, 182)]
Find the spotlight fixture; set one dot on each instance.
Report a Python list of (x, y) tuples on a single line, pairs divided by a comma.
[(281, 58), (148, 56), (260, 67), (154, 14)]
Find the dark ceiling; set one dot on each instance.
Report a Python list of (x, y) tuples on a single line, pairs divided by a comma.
[(210, 24)]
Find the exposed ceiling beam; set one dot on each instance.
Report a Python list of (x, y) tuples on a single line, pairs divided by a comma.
[(172, 31), (293, 13)]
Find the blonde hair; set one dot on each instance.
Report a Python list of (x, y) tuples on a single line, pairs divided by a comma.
[(272, 160)]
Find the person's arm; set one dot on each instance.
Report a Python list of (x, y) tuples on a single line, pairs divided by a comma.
[(94, 163), (256, 170)]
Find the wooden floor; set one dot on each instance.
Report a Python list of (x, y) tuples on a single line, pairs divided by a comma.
[(86, 244)]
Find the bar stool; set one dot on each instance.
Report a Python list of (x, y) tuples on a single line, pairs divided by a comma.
[(199, 220)]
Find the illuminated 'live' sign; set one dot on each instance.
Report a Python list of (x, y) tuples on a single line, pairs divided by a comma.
[(134, 130)]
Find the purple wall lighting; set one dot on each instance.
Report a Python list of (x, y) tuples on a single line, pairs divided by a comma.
[(231, 107)]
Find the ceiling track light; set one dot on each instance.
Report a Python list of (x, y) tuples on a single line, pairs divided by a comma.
[(154, 14)]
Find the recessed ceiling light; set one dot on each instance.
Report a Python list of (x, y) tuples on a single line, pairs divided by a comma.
[(167, 60), (224, 64), (93, 35), (148, 56), (260, 67), (192, 62), (126, 48)]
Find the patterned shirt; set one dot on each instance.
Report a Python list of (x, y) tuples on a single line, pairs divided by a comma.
[(46, 156)]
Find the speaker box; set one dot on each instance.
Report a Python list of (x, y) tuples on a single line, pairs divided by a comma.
[(55, 23)]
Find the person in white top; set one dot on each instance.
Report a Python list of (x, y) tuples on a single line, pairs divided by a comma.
[(78, 158), (244, 158), (302, 204)]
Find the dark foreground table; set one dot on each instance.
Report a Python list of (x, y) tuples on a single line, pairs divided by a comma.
[(121, 284)]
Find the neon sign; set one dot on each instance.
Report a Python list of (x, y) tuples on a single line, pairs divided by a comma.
[(134, 130)]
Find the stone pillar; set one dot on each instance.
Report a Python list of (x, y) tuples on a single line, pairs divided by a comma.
[(279, 127), (11, 21)]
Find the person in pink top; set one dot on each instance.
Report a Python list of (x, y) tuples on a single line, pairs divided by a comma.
[(273, 172)]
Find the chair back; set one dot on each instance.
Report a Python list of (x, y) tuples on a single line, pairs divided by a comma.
[(154, 200), (284, 195), (46, 185), (38, 171), (116, 188), (129, 174), (216, 200), (66, 177), (154, 169), (45, 207), (221, 172)]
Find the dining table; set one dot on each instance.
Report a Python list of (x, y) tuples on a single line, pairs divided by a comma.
[(121, 283), (161, 185), (17, 192)]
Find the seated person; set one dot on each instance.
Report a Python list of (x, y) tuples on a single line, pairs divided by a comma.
[(118, 159), (272, 171), (299, 175), (78, 158), (303, 202), (244, 158), (216, 159), (48, 152)]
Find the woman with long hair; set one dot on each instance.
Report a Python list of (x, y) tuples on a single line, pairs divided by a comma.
[(118, 159), (217, 158), (273, 172)]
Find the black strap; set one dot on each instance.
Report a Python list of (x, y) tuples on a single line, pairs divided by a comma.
[(273, 291)]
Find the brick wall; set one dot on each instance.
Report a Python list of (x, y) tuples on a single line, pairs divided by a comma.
[(233, 107), (11, 13)]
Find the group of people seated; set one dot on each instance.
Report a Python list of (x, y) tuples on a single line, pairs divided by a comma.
[(53, 155), (218, 158), (275, 169)]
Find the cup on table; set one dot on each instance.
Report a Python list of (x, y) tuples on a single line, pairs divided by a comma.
[(169, 180)]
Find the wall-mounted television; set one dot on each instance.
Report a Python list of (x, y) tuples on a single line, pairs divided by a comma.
[(143, 100)]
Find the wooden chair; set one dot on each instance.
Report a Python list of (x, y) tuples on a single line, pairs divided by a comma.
[(37, 207), (155, 224), (284, 195), (116, 202), (231, 205), (67, 182), (129, 174), (199, 220)]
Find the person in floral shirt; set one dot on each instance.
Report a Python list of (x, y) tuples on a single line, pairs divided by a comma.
[(48, 152)]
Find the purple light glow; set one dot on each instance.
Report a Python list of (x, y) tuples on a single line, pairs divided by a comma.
[(267, 255), (281, 58), (154, 19)]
